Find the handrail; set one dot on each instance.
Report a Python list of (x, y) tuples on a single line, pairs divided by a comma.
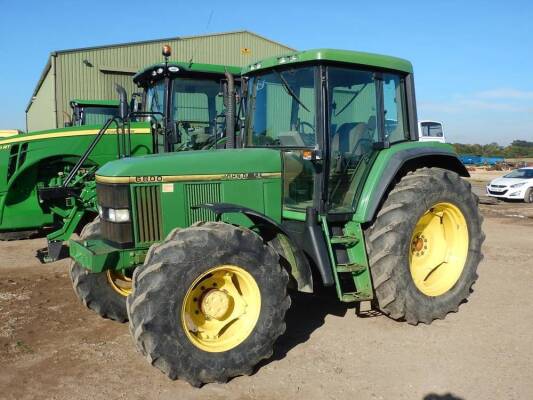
[(87, 152)]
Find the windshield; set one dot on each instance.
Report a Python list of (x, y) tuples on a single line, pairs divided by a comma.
[(97, 115), (196, 104), (282, 109), (431, 129), (155, 98), (523, 173), (197, 109)]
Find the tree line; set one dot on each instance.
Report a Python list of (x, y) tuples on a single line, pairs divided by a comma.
[(518, 148)]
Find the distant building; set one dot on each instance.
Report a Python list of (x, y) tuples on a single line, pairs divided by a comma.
[(90, 73)]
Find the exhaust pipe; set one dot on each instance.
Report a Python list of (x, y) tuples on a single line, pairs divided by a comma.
[(230, 111), (123, 109)]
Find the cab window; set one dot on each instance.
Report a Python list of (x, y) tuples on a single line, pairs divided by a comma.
[(283, 105), (395, 108), (284, 109)]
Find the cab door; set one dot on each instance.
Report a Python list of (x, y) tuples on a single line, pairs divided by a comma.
[(366, 112)]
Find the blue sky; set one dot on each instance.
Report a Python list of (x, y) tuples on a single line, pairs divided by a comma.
[(473, 59)]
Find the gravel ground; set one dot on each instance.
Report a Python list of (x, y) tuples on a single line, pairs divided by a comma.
[(51, 347)]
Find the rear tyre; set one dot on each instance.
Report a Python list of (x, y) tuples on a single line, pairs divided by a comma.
[(528, 198), (208, 303), (425, 245), (104, 292)]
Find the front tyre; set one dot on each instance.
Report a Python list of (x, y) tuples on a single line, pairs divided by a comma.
[(208, 303), (528, 197), (425, 245), (104, 292)]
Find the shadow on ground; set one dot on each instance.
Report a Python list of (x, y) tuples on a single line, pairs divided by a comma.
[(447, 396), (306, 314)]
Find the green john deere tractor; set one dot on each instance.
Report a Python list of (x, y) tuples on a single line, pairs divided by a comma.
[(48, 179), (32, 160), (327, 185)]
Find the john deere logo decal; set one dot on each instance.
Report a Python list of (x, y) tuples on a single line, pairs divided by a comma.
[(249, 175)]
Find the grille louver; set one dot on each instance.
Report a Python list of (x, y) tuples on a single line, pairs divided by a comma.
[(148, 209), (201, 193)]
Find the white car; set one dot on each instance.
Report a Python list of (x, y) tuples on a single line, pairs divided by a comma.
[(518, 185)]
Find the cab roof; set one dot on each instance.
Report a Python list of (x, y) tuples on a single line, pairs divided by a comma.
[(332, 55), (94, 103), (185, 68)]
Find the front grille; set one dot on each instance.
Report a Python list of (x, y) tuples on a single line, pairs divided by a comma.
[(498, 186), (497, 193), (12, 163), (147, 203), (201, 193)]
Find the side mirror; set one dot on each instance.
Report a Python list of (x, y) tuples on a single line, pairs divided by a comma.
[(136, 102), (123, 107)]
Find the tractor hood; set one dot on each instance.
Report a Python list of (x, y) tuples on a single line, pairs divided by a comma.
[(190, 165)]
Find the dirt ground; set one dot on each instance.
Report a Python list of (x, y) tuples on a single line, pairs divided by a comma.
[(51, 347)]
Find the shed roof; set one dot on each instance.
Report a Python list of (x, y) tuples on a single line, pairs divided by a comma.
[(170, 38)]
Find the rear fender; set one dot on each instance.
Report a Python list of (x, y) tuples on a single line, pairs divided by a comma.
[(393, 166)]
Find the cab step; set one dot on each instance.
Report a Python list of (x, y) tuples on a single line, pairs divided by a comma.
[(345, 240), (349, 297), (350, 267), (349, 262)]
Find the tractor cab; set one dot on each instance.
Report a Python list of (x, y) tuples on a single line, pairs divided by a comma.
[(329, 116), (91, 112), (185, 104)]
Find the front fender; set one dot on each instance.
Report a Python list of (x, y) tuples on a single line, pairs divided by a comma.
[(277, 237)]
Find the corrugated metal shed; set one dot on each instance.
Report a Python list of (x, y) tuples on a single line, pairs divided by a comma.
[(90, 73)]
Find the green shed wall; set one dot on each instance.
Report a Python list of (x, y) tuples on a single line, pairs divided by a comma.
[(41, 114), (105, 66)]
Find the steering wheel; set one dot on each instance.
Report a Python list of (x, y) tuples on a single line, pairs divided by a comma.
[(307, 137), (301, 128)]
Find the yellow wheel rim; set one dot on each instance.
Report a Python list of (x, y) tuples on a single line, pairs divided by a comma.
[(221, 308), (119, 282), (438, 249)]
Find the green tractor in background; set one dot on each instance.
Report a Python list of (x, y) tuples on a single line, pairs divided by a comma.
[(48, 179), (91, 112), (327, 186), (34, 159)]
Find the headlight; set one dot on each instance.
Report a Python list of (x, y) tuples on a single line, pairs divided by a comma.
[(517, 185), (115, 215), (122, 215)]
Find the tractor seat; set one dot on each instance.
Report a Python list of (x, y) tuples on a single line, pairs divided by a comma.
[(290, 139), (347, 136)]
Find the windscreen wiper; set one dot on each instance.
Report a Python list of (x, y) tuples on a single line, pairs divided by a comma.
[(290, 91), (352, 99)]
